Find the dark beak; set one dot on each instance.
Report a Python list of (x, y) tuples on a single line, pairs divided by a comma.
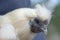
[(36, 26)]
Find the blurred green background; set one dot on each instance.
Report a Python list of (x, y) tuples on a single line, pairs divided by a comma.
[(56, 18), (54, 26)]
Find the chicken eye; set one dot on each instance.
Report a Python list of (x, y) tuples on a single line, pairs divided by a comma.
[(36, 20)]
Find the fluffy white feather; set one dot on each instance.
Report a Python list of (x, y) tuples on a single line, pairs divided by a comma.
[(7, 30)]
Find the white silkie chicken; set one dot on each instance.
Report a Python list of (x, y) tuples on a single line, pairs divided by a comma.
[(27, 22)]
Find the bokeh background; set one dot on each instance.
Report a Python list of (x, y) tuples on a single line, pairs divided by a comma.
[(54, 26)]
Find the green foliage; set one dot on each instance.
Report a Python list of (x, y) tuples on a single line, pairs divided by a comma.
[(56, 18)]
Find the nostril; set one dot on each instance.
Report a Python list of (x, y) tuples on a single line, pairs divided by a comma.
[(45, 22), (36, 20)]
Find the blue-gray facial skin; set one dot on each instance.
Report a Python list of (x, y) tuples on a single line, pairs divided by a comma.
[(37, 25)]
